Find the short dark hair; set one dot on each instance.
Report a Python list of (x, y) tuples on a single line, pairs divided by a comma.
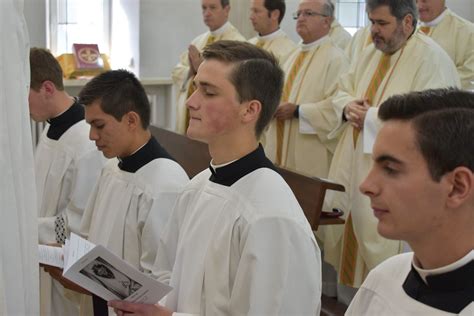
[(398, 8), (43, 67), (119, 92), (255, 76), (225, 3), (443, 120), (272, 5)]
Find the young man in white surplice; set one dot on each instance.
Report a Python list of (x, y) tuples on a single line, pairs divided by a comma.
[(238, 242)]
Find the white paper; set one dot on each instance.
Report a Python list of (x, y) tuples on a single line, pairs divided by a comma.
[(101, 272), (51, 256)]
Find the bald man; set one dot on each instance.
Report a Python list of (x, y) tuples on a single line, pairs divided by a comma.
[(297, 136)]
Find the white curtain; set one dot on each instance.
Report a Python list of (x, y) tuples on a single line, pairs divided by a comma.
[(18, 214)]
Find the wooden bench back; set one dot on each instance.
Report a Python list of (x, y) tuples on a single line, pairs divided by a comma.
[(194, 157)]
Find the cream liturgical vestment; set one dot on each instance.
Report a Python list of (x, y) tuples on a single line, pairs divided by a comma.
[(277, 43), (181, 70), (361, 39), (238, 243), (456, 36), (305, 139), (339, 35), (132, 202), (420, 64), (18, 225), (67, 165), (395, 287)]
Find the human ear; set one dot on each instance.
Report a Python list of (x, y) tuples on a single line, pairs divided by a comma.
[(133, 120), (252, 111), (462, 187), (407, 23), (48, 87), (275, 15)]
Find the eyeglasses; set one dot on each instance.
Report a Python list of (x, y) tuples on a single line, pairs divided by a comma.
[(307, 14)]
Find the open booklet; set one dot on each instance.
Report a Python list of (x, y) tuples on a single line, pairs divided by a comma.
[(101, 272)]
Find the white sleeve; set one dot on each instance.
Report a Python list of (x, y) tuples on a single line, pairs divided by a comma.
[(77, 185), (305, 123), (154, 225), (168, 242), (371, 128), (279, 271)]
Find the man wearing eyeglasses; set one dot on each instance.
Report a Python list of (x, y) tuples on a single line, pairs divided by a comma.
[(398, 61), (215, 14), (266, 16), (453, 33), (297, 137)]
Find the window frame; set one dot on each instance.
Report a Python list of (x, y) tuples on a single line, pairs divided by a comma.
[(52, 26)]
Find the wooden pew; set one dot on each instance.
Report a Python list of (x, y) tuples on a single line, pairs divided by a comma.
[(194, 157)]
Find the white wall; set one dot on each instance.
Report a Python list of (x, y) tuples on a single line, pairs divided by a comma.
[(162, 29), (166, 29), (464, 8)]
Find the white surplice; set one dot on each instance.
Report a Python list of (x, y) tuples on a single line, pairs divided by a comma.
[(127, 211), (233, 250), (66, 171), (382, 292)]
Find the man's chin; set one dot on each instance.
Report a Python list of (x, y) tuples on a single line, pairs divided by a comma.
[(195, 136)]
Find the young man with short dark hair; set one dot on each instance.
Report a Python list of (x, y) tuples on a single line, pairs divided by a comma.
[(421, 189), (238, 242), (136, 191)]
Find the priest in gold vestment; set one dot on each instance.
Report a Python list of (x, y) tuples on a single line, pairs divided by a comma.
[(266, 16), (399, 60), (215, 15), (297, 136)]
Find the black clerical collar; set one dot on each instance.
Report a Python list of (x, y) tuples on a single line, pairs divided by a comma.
[(450, 292), (229, 174), (150, 151), (60, 124)]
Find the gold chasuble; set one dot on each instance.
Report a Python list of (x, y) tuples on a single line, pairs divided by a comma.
[(301, 143), (377, 78), (348, 263)]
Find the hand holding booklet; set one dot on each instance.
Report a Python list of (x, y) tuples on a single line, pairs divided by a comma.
[(99, 271)]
